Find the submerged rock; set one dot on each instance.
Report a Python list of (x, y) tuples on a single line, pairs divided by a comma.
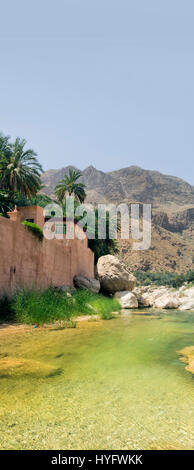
[(127, 299), (18, 366), (187, 356), (113, 275)]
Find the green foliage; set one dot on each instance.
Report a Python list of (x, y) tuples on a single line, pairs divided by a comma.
[(51, 305), (5, 147), (19, 175), (68, 185), (164, 278), (19, 168), (100, 246), (39, 200), (101, 304), (6, 203), (34, 228), (41, 306), (103, 247)]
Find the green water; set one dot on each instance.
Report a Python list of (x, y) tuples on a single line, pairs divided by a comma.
[(119, 384)]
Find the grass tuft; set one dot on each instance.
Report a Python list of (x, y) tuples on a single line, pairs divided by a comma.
[(52, 305)]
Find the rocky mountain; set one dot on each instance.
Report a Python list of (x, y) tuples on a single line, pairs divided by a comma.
[(172, 202), (128, 184)]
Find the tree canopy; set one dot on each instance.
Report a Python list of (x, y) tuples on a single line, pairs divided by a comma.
[(20, 170), (69, 185)]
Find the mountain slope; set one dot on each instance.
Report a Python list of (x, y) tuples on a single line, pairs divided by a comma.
[(172, 202)]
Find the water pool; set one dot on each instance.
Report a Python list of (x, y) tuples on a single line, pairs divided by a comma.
[(116, 384)]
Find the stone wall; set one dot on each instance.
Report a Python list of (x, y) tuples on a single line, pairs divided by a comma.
[(27, 262)]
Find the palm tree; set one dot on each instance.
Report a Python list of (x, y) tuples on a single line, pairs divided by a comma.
[(5, 146), (69, 186), (19, 169)]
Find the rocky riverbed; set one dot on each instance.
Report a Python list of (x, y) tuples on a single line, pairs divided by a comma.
[(115, 278)]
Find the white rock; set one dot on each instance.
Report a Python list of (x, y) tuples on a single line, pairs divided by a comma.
[(189, 292), (145, 300), (113, 275), (127, 299), (181, 289), (167, 301), (187, 299), (188, 305)]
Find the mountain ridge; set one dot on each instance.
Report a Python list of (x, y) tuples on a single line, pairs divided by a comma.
[(128, 184)]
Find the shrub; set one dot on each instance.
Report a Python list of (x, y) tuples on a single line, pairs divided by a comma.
[(164, 278), (41, 306), (34, 228)]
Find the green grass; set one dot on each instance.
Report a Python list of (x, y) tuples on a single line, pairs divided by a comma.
[(103, 305), (51, 305)]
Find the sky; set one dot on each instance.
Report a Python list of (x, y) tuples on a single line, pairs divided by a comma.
[(108, 83)]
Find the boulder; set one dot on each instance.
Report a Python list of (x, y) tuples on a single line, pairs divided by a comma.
[(187, 305), (167, 301), (90, 284), (141, 290), (113, 275), (157, 292), (145, 300), (151, 296), (127, 299), (186, 298)]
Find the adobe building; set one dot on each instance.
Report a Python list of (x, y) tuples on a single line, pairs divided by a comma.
[(27, 262), (32, 214)]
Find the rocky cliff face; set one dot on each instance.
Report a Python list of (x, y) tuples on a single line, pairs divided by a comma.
[(172, 202), (176, 222)]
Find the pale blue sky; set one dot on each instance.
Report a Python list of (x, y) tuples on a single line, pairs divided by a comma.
[(108, 83)]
